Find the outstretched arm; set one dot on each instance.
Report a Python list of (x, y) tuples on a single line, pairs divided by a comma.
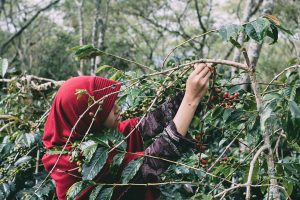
[(174, 140), (155, 121)]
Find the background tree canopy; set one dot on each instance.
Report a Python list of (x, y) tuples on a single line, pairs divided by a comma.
[(242, 131)]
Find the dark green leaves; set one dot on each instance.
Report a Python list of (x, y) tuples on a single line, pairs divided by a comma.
[(88, 148), (256, 30), (80, 93), (294, 109), (85, 51), (131, 169), (98, 160), (95, 192), (106, 194), (77, 188), (230, 33)]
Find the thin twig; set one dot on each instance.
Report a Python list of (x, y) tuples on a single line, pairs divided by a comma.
[(252, 163), (277, 76), (197, 36)]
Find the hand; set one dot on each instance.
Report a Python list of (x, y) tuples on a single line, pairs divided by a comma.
[(198, 82)]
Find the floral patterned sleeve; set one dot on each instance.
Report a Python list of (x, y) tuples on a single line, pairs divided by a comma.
[(155, 121), (169, 145)]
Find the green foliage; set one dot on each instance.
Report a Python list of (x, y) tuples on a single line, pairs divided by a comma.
[(93, 167), (76, 189), (217, 125), (131, 169), (256, 30)]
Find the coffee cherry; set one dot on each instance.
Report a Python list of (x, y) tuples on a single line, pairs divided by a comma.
[(198, 137), (225, 95), (212, 98), (201, 147), (79, 169), (217, 90), (231, 97), (236, 94), (203, 161)]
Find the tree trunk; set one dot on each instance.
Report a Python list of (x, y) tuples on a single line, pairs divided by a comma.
[(254, 51), (79, 5), (95, 34), (101, 37)]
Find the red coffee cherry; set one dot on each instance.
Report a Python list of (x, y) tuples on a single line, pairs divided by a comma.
[(225, 95), (231, 97), (212, 98)]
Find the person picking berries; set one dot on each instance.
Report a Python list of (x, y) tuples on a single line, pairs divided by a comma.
[(168, 124)]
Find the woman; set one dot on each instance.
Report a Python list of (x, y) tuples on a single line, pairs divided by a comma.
[(171, 120)]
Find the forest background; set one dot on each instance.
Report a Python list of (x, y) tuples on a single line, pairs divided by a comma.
[(137, 38)]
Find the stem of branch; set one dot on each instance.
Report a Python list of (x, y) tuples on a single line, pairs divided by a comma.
[(248, 184)]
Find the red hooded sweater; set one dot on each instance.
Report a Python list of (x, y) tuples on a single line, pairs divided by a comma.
[(64, 114)]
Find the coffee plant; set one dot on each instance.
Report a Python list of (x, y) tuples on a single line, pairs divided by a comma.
[(247, 141)]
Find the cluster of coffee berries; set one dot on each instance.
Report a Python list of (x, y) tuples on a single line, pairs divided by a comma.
[(224, 99), (3, 172), (137, 110), (200, 147), (203, 162), (20, 149), (75, 157)]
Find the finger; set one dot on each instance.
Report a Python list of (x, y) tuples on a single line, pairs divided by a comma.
[(206, 77), (198, 67), (203, 72)]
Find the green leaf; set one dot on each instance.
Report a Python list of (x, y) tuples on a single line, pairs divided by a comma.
[(80, 93), (257, 29), (235, 43), (22, 160), (77, 188), (91, 101), (116, 76), (94, 194), (102, 68), (234, 89), (294, 109), (230, 31), (285, 30), (131, 169), (86, 52), (88, 148), (117, 160), (273, 33), (288, 185), (106, 194), (227, 114), (97, 162)]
